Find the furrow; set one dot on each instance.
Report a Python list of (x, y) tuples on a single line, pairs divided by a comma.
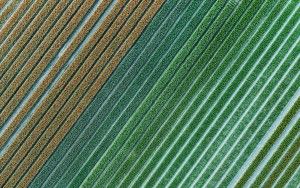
[(220, 84), (95, 87), (8, 11), (183, 160), (18, 71), (149, 93), (240, 111), (291, 168), (178, 62), (29, 33), (292, 155), (13, 21), (158, 138), (72, 85), (122, 100), (63, 80), (51, 106), (267, 146), (174, 102), (14, 35), (270, 164), (119, 174), (58, 42), (34, 44), (240, 128), (295, 180)]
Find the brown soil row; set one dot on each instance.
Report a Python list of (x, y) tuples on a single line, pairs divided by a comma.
[(40, 65), (17, 31), (105, 41), (37, 52), (40, 121), (13, 20), (2, 3), (64, 80), (16, 60), (91, 92), (8, 11)]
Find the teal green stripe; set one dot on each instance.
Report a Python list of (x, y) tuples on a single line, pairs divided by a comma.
[(157, 90), (117, 76), (205, 92)]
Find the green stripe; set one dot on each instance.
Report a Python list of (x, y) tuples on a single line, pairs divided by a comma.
[(204, 98)]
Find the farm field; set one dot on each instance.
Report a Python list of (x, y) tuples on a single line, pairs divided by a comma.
[(149, 93)]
